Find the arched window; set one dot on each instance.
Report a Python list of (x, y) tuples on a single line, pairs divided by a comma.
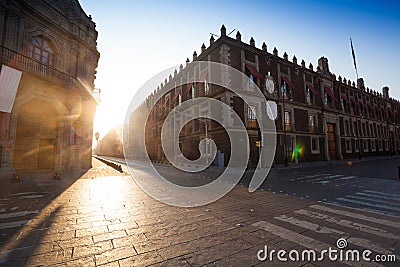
[(42, 51)]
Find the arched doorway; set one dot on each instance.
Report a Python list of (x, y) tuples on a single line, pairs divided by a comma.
[(36, 137)]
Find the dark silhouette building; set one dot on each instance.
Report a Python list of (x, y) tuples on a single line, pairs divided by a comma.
[(320, 116), (49, 59)]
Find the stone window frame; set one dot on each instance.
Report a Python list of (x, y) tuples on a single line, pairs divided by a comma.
[(291, 112), (313, 113), (317, 150), (373, 145), (348, 146), (365, 145)]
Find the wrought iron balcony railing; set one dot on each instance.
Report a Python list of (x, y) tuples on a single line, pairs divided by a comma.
[(26, 64)]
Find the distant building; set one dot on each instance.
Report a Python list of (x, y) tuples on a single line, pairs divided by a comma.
[(320, 117), (111, 145), (49, 59)]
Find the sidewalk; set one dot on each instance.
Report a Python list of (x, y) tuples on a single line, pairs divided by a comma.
[(332, 162)]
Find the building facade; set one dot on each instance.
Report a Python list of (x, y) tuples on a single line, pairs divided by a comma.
[(319, 116), (51, 46)]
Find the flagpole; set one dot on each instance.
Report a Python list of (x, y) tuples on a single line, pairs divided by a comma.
[(355, 67)]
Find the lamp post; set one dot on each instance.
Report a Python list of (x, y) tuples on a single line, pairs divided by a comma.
[(97, 136), (284, 124)]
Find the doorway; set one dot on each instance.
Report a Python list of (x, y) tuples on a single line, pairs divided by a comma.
[(46, 154), (36, 137)]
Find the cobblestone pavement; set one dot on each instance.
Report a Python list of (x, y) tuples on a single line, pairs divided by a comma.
[(104, 219)]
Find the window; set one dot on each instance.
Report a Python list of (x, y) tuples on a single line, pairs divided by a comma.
[(373, 145), (380, 145), (355, 130), (193, 92), (386, 145), (348, 146), (314, 145), (288, 125), (42, 51), (206, 88), (286, 91), (251, 83), (252, 116), (365, 146), (312, 123), (346, 128), (308, 97)]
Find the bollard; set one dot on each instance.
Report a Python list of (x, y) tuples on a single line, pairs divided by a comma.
[(57, 176), (15, 178)]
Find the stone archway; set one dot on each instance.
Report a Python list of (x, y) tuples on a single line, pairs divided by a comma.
[(36, 137)]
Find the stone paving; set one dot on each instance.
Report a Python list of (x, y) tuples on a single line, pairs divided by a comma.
[(104, 219)]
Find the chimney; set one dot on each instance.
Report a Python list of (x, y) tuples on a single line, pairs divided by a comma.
[(212, 39), (203, 48), (385, 92), (360, 84), (238, 36)]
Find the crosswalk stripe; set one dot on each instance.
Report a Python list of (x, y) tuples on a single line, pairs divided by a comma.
[(13, 224), (361, 242), (348, 177), (308, 225), (357, 216), (380, 193), (348, 224), (376, 196), (368, 204), (373, 200), (301, 240)]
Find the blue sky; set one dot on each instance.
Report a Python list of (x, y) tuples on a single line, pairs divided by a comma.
[(139, 39)]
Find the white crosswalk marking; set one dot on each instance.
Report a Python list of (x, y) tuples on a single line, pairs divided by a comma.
[(380, 193), (370, 200), (357, 216), (327, 178), (377, 196), (379, 206), (302, 240), (298, 227), (349, 224), (374, 200), (361, 242)]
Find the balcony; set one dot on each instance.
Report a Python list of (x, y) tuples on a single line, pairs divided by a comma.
[(28, 65)]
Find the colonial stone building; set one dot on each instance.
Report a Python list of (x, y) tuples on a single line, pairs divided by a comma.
[(49, 59), (320, 116)]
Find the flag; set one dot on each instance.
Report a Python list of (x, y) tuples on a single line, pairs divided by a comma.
[(354, 55)]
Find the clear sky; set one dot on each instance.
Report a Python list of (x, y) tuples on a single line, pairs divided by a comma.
[(139, 39)]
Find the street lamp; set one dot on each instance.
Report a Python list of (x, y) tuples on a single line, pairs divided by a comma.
[(284, 124)]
